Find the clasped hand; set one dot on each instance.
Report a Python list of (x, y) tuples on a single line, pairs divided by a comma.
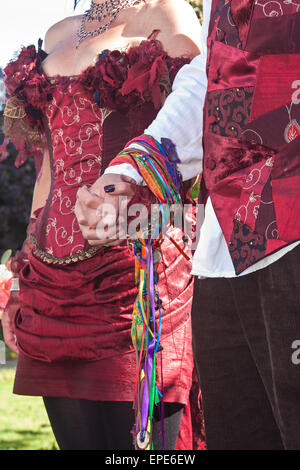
[(99, 206)]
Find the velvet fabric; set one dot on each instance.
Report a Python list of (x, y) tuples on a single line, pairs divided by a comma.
[(236, 155), (281, 34), (231, 67), (242, 11)]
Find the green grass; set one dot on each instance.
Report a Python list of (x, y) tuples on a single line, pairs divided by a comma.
[(24, 423)]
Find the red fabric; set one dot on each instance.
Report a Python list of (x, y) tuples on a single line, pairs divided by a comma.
[(242, 11), (64, 323), (20, 72), (236, 196), (275, 9), (236, 200), (227, 155), (275, 34), (77, 322), (126, 79), (231, 67), (141, 78), (275, 78), (286, 194), (76, 124)]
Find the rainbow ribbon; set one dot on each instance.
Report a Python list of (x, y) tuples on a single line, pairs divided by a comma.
[(161, 177)]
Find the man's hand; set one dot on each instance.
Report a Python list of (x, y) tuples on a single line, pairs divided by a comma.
[(100, 204), (7, 321)]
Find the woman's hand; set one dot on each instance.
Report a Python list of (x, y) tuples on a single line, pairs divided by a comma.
[(100, 206), (7, 321)]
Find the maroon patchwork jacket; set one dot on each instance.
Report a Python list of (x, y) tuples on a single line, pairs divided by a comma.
[(252, 125)]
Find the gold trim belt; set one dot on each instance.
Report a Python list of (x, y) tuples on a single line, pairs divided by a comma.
[(51, 259)]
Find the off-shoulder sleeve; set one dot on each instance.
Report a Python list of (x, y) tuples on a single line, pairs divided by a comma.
[(26, 92), (123, 81), (26, 135)]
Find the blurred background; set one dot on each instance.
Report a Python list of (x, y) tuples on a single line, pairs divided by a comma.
[(24, 424)]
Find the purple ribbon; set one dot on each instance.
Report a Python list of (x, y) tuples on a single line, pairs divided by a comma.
[(151, 288), (147, 385)]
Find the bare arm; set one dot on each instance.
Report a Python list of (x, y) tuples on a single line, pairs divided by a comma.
[(180, 30)]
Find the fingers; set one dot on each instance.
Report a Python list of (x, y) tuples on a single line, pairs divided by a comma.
[(89, 208), (107, 238), (119, 189), (106, 243), (86, 216), (107, 233), (99, 235), (110, 181), (88, 198), (97, 216)]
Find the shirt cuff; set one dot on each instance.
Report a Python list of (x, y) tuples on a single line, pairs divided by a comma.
[(126, 170)]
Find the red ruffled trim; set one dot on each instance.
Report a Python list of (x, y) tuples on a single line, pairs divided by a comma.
[(24, 80), (120, 80), (18, 71), (127, 79)]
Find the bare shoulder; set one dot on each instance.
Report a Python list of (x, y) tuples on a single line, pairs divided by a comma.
[(179, 25), (177, 7), (177, 10), (59, 31)]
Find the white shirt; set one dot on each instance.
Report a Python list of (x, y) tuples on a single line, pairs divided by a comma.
[(181, 120)]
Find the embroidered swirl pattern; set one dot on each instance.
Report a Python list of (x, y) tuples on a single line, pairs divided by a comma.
[(255, 180), (275, 8), (229, 110), (76, 124)]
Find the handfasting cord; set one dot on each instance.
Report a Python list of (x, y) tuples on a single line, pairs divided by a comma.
[(161, 177)]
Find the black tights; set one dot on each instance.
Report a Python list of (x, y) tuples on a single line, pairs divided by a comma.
[(95, 425)]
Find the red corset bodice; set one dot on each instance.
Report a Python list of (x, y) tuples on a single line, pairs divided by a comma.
[(76, 128)]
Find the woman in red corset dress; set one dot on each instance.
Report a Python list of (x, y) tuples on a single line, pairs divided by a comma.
[(72, 315)]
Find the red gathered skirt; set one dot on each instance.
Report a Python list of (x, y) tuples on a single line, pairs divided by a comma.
[(73, 328)]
